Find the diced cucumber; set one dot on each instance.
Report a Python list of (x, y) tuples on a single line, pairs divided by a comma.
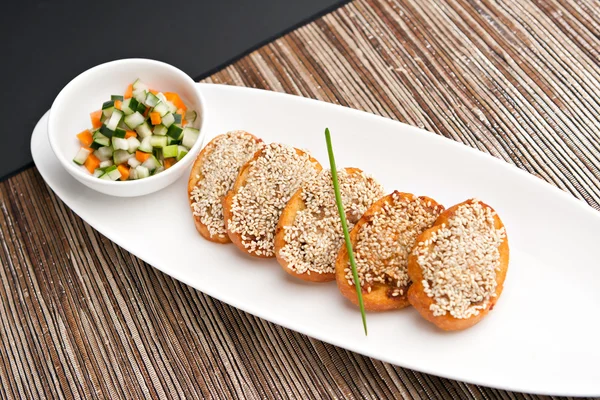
[(140, 95), (190, 115), (157, 152), (81, 156), (106, 163), (151, 100), (119, 133), (171, 141), (151, 163), (100, 139), (168, 119), (171, 106), (106, 131), (190, 135), (141, 108), (128, 107), (95, 146), (160, 130), (161, 108), (175, 132), (121, 156), (133, 173), (105, 177), (161, 96), (114, 120), (104, 117), (138, 84), (134, 120), (112, 172), (98, 134), (158, 170), (177, 119), (98, 173), (133, 103), (158, 141), (139, 88), (144, 130), (115, 175), (145, 145), (133, 144), (170, 151), (107, 113), (108, 104), (142, 172), (114, 97), (120, 143), (133, 162), (104, 153), (181, 152)]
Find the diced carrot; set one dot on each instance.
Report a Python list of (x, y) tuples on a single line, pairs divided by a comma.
[(155, 92), (128, 92), (155, 118), (176, 100), (118, 104), (183, 122), (124, 172), (146, 112), (86, 138), (141, 156), (95, 117), (92, 163), (169, 162), (129, 134)]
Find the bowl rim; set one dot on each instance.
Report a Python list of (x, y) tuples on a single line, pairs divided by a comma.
[(72, 169)]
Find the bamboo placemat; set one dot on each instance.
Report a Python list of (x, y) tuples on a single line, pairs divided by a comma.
[(81, 318)]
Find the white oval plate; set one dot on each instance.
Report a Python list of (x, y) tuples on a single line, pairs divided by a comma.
[(542, 336)]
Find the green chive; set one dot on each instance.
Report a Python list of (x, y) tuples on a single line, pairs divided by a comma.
[(340, 206)]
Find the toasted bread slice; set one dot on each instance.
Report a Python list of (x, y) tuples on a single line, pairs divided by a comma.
[(261, 191), (381, 242), (458, 278), (213, 175), (309, 233)]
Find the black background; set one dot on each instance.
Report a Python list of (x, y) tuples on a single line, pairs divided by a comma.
[(45, 44)]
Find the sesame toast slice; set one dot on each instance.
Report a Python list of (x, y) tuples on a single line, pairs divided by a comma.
[(381, 241), (309, 233), (213, 173), (459, 265), (261, 190)]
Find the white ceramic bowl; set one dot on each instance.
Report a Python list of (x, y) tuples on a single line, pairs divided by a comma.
[(70, 114)]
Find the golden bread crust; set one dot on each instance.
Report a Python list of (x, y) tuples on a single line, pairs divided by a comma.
[(236, 238), (380, 298), (419, 299), (287, 218), (196, 176)]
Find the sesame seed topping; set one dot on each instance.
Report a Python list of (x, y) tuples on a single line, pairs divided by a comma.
[(219, 171), (272, 180), (316, 235), (460, 260), (384, 242)]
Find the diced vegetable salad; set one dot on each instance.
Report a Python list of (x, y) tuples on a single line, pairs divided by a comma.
[(137, 134)]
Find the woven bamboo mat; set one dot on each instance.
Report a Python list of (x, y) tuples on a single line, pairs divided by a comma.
[(81, 318)]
